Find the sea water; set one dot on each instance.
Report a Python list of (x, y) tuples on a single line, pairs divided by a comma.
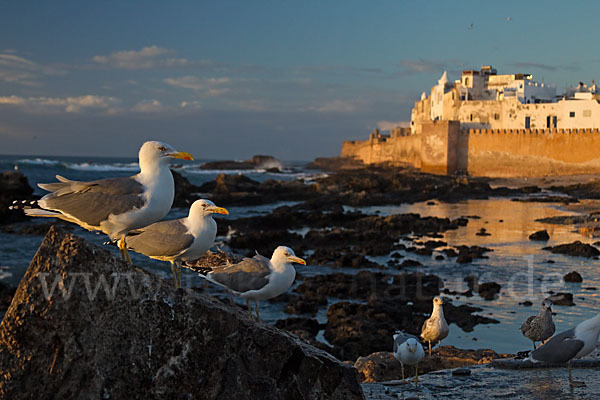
[(516, 263)]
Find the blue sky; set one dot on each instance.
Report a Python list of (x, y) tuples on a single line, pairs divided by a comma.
[(230, 79)]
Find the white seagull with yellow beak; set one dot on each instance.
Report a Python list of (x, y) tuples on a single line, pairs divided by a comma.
[(115, 206)]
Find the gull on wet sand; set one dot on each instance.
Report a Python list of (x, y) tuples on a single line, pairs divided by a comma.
[(539, 327), (115, 206), (179, 240), (256, 278), (435, 328), (569, 345), (408, 350)]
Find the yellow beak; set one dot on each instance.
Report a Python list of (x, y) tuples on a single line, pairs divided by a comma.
[(183, 155), (297, 260), (219, 210)]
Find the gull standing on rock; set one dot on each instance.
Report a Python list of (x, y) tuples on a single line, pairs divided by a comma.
[(569, 345), (539, 327), (183, 239), (256, 278), (435, 328), (408, 350), (115, 206)]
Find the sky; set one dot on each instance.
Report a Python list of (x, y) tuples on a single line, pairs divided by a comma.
[(230, 79)]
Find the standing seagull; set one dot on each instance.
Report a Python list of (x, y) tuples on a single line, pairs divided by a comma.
[(408, 350), (539, 327), (183, 239), (569, 345), (115, 206), (256, 278), (435, 328)]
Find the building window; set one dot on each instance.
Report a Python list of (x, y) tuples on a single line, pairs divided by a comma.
[(496, 116), (554, 121), (527, 122), (462, 97), (572, 114), (587, 113), (467, 81), (471, 117), (548, 121)]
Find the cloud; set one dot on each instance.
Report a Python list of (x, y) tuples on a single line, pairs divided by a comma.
[(389, 125), (211, 87), (146, 58), (422, 65), (546, 67), (65, 104), (148, 106), (340, 106), (19, 70)]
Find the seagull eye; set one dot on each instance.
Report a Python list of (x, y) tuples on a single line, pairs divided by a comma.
[(162, 148)]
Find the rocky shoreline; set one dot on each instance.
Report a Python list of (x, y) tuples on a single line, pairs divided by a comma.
[(363, 309)]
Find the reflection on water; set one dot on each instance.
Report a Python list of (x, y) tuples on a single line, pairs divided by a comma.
[(517, 263)]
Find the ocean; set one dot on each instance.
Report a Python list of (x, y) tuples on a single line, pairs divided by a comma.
[(518, 264)]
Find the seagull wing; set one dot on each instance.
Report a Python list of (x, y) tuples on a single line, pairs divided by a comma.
[(249, 274), (90, 203), (162, 239), (560, 349)]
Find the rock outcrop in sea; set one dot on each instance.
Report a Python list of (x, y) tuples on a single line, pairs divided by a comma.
[(83, 324)]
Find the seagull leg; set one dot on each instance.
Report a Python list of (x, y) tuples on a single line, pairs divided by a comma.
[(257, 313), (178, 270), (534, 345), (416, 374), (249, 308), (429, 349), (440, 347), (124, 252), (174, 273), (403, 379)]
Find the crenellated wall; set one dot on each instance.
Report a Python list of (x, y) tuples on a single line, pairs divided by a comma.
[(443, 148)]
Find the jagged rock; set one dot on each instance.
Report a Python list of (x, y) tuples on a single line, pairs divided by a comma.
[(573, 276), (541, 236), (136, 337), (575, 249), (185, 192), (561, 299), (13, 186), (382, 366), (6, 295), (489, 290)]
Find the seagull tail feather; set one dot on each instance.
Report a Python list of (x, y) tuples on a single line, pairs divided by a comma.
[(32, 208), (198, 268)]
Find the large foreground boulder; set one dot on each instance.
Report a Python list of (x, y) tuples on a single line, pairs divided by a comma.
[(83, 324)]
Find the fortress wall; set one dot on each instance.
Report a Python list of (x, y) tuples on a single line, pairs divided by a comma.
[(533, 152), (395, 150)]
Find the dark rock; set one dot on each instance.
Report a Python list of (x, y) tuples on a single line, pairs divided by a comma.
[(13, 186), (140, 338), (335, 163), (483, 232), (256, 162), (541, 236), (489, 290), (6, 295), (185, 192), (561, 299), (576, 248), (526, 303), (461, 372), (410, 263), (573, 276), (294, 325)]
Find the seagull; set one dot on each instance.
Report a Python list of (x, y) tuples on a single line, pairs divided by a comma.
[(539, 327), (115, 206), (408, 350), (256, 278), (569, 345), (435, 328), (183, 239)]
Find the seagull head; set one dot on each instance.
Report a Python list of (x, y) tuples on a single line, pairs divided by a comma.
[(547, 305), (155, 151), (437, 301), (411, 344), (205, 208), (286, 255)]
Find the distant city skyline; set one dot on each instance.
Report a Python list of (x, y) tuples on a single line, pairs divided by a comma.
[(230, 79)]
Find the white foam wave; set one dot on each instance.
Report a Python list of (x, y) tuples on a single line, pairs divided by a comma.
[(38, 161), (103, 167)]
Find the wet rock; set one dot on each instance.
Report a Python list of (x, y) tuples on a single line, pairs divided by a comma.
[(541, 236), (256, 162), (185, 192), (298, 325), (489, 290), (576, 248), (382, 366), (335, 163), (526, 303), (483, 232), (410, 263), (561, 299), (141, 338), (13, 186), (573, 276)]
